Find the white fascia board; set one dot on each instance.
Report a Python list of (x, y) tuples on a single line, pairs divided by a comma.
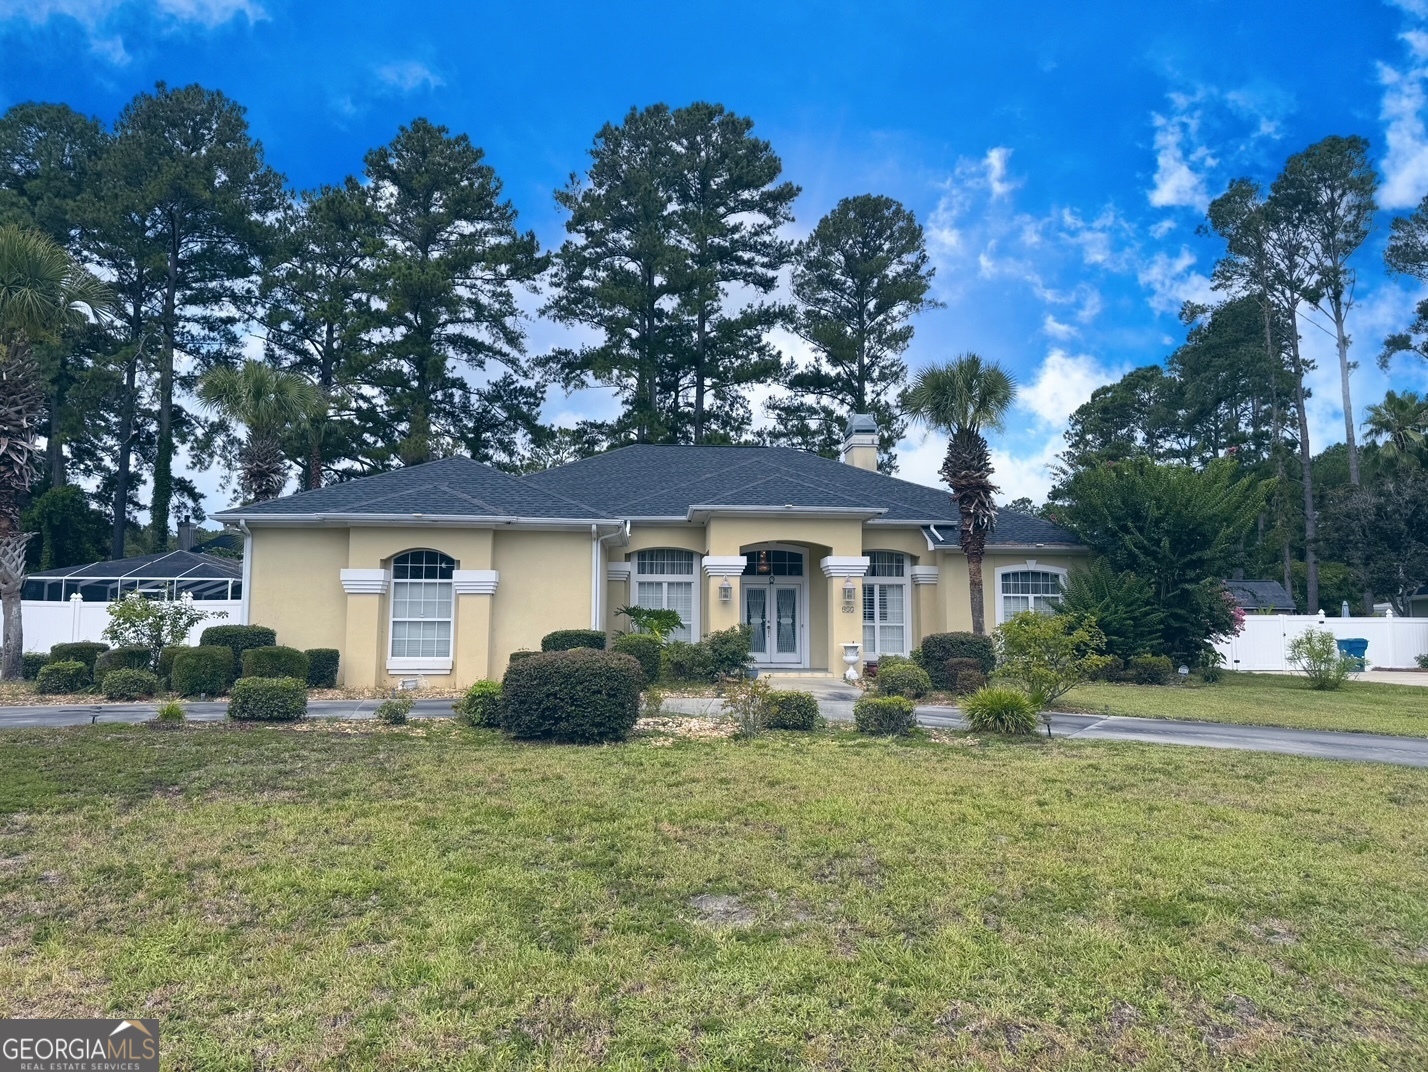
[(832, 513), (445, 520)]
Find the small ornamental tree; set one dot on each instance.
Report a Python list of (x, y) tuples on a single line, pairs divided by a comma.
[(155, 624), (1048, 655)]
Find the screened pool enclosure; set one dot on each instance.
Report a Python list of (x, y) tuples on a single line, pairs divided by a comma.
[(170, 575)]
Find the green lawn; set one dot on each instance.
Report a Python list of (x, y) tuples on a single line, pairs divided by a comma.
[(1265, 700), (352, 897)]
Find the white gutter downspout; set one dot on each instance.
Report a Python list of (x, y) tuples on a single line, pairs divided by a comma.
[(597, 572), (247, 570)]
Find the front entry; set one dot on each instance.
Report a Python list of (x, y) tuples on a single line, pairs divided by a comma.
[(773, 596)]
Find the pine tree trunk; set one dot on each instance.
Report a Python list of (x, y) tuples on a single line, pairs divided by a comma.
[(121, 474), (1341, 339), (159, 507), (1306, 459)]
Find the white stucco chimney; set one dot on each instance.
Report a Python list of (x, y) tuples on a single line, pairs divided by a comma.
[(860, 444)]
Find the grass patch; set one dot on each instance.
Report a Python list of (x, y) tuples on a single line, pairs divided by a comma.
[(1265, 700), (352, 896)]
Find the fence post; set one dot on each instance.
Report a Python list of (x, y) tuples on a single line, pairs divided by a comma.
[(76, 603)]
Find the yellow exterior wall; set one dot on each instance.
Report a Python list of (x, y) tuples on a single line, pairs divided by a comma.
[(545, 585), (294, 585)]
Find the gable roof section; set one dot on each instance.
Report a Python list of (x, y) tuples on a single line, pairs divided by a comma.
[(448, 488), (668, 482)]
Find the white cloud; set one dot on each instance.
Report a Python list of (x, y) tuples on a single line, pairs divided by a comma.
[(995, 166), (1062, 384), (1178, 183), (95, 15), (409, 75), (1173, 280), (1161, 229), (1056, 329), (1405, 164)]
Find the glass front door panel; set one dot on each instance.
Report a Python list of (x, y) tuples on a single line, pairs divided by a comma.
[(786, 621), (756, 618)]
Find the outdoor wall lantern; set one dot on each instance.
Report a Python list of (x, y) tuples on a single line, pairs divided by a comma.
[(726, 591), (850, 596)]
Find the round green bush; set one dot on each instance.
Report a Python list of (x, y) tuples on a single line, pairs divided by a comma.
[(481, 705), (685, 663), (999, 709), (581, 695), (275, 661), (793, 711), (937, 648), (30, 664), (570, 639), (80, 651), (268, 699), (969, 681), (903, 679), (238, 639), (646, 649), (885, 716), (166, 661), (130, 658), (1151, 670), (394, 712), (127, 683), (322, 667), (206, 670), (729, 650), (70, 675)]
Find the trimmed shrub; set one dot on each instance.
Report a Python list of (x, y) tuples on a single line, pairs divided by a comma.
[(684, 662), (958, 666), (645, 649), (172, 711), (276, 661), (520, 653), (794, 711), (579, 695), (999, 709), (130, 683), (394, 712), (937, 648), (70, 675), (322, 667), (30, 664), (481, 706), (268, 699), (903, 679), (884, 716), (969, 681), (238, 639), (130, 658), (206, 670), (729, 650), (81, 651), (166, 661), (1114, 670), (1151, 670), (570, 639)]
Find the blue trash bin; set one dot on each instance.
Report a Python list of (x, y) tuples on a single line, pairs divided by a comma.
[(1356, 648)]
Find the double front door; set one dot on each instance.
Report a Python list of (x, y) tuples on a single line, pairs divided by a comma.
[(773, 611)]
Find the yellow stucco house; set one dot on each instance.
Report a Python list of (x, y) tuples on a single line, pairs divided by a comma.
[(440, 571)]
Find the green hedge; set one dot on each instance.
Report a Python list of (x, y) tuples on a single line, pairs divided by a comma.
[(793, 711), (570, 639), (268, 699), (1150, 670), (937, 648), (238, 639), (130, 683), (322, 666), (481, 705), (275, 661), (205, 670), (885, 716), (30, 664), (645, 649), (69, 675), (582, 695), (80, 651), (903, 679), (166, 661), (681, 661), (520, 653), (718, 655), (130, 658)]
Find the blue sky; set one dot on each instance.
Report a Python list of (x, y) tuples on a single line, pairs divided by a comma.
[(1059, 157)]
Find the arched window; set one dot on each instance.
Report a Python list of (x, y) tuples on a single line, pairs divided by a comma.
[(421, 605), (664, 578), (1023, 588), (885, 605)]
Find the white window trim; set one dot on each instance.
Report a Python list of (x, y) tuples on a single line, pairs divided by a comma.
[(695, 581), (905, 582), (419, 666), (1020, 567), (430, 664)]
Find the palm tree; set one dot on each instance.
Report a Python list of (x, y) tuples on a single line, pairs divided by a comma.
[(42, 290), (271, 404), (962, 398), (1401, 422)]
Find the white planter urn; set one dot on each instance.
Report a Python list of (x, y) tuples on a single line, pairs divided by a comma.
[(852, 652)]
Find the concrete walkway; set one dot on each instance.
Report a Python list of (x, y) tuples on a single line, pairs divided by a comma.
[(836, 701)]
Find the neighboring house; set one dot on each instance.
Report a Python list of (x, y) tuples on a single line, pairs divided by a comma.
[(443, 569), (1260, 597)]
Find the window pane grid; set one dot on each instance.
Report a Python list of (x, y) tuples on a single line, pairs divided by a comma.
[(886, 564), (1024, 590), (422, 605), (666, 561)]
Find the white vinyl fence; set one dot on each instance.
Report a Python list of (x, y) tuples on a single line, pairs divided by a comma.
[(49, 623), (1393, 643)]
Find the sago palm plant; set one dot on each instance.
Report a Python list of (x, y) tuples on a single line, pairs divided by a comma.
[(964, 398), (271, 404), (42, 290)]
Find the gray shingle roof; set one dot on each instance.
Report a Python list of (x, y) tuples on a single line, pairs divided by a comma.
[(451, 487), (1261, 595), (667, 481)]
